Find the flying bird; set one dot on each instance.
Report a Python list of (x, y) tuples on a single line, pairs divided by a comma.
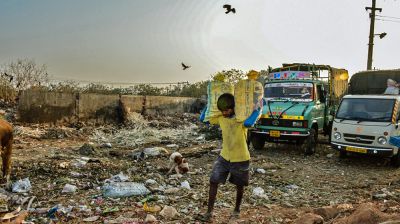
[(229, 9), (184, 67)]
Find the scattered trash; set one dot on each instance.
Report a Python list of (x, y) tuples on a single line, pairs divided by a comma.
[(91, 219), (21, 186), (260, 170), (155, 151), (380, 196), (81, 162), (216, 150), (110, 210), (292, 187), (106, 145), (259, 192), (153, 209), (330, 155), (117, 178), (64, 165), (138, 156), (172, 190), (175, 176), (68, 188), (201, 137), (185, 184), (124, 189), (172, 146), (150, 182)]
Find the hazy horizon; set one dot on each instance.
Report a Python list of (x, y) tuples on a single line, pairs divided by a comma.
[(146, 41)]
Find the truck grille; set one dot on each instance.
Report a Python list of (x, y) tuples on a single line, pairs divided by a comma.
[(276, 123), (362, 139)]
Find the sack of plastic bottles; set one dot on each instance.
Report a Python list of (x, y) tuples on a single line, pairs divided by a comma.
[(248, 96), (215, 89), (124, 189)]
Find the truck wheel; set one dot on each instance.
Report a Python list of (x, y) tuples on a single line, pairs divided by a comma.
[(258, 141), (342, 154), (330, 132), (395, 160), (311, 142)]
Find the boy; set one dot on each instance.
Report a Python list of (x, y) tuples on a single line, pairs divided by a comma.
[(234, 158)]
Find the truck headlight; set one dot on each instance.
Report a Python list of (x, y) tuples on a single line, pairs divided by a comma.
[(337, 135), (382, 140), (297, 124)]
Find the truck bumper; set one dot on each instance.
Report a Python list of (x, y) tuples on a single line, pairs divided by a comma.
[(283, 135), (383, 152)]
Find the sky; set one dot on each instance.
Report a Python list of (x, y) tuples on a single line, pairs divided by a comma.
[(145, 41)]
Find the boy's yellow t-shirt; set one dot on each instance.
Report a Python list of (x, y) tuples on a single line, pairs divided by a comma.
[(234, 135)]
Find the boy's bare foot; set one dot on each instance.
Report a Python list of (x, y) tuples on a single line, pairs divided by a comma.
[(206, 217)]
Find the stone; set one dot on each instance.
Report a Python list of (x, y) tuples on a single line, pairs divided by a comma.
[(367, 213), (345, 207), (87, 149), (150, 219), (172, 190), (309, 218), (169, 212), (327, 212)]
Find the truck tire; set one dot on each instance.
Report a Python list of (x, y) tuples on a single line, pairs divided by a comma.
[(311, 142), (258, 141), (342, 154), (395, 160), (330, 132)]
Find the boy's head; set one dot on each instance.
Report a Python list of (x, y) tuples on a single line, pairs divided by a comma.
[(226, 104)]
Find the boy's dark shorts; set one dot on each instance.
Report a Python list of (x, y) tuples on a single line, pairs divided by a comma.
[(239, 172)]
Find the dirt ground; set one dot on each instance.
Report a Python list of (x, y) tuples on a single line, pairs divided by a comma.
[(294, 185)]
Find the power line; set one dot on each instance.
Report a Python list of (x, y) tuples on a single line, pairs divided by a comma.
[(388, 20), (390, 17)]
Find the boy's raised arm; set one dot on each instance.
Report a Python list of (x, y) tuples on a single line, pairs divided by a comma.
[(252, 119)]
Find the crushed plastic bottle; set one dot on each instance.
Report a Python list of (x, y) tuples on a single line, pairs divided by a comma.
[(124, 189), (22, 186)]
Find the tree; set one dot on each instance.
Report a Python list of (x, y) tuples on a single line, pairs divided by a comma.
[(26, 73), (146, 90), (233, 75), (68, 86)]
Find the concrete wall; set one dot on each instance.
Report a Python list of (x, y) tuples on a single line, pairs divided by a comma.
[(167, 105), (98, 107), (133, 103), (41, 107)]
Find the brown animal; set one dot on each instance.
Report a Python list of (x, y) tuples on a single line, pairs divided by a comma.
[(6, 138), (178, 163)]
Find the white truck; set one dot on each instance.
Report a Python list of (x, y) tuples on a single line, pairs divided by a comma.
[(366, 119)]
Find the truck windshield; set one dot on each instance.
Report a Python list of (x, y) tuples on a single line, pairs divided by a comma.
[(379, 110), (289, 90)]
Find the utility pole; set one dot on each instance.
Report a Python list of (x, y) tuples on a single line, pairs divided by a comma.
[(371, 32)]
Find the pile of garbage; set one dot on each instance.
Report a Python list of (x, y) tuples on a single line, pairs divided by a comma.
[(139, 131)]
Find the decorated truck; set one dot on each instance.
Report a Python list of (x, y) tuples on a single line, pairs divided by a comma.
[(368, 120), (301, 100)]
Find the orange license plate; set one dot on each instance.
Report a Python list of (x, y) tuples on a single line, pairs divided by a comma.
[(354, 149), (275, 134)]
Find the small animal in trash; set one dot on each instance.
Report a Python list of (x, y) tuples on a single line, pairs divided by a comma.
[(177, 162), (6, 138)]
